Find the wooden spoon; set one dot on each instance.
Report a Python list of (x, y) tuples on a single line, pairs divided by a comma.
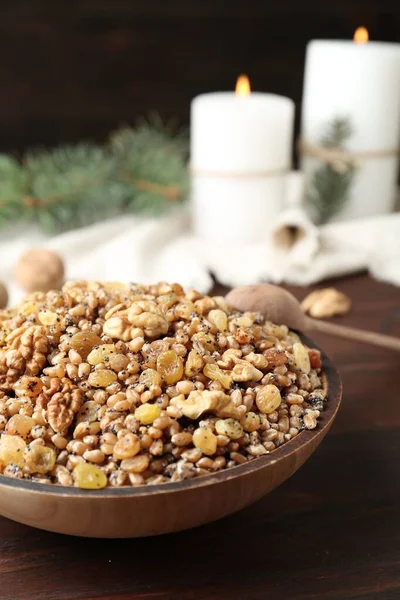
[(280, 306)]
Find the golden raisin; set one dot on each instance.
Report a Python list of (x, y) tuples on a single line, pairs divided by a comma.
[(150, 377), (268, 398), (207, 340), (205, 440), (88, 412), (184, 310), (98, 354), (147, 413), (218, 318), (170, 366), (47, 317), (89, 477), (117, 362), (194, 364), (84, 341), (20, 425), (3, 335), (39, 459), (250, 422), (230, 428), (102, 378), (243, 321), (12, 450), (28, 386), (28, 308), (301, 358)]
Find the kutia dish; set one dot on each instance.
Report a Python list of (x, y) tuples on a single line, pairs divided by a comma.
[(112, 389)]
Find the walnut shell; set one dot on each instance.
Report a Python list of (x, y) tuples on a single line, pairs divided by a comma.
[(3, 295), (39, 270)]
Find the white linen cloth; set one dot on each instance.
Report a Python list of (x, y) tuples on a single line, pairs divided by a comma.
[(132, 248)]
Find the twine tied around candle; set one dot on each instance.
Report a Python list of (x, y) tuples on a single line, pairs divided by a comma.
[(341, 160), (241, 174)]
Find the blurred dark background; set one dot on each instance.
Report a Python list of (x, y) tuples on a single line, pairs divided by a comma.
[(76, 69)]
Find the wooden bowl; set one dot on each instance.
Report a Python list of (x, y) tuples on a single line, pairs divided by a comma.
[(153, 510)]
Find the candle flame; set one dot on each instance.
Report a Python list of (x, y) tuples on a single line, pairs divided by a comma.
[(361, 35), (243, 86)]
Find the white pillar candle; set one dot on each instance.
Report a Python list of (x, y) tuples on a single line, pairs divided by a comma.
[(359, 82), (240, 153)]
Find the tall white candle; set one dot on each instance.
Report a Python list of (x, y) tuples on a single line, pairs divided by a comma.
[(240, 153), (359, 82)]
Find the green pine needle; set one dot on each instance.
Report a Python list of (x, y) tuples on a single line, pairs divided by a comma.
[(139, 170), (329, 192), (12, 189), (329, 189), (72, 187), (338, 131), (151, 165)]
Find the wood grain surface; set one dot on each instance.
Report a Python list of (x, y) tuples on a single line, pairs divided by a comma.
[(331, 532)]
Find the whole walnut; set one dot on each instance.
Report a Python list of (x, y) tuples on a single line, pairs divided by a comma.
[(39, 270), (3, 295)]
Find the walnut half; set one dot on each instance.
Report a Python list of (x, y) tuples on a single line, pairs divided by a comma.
[(325, 303), (213, 401)]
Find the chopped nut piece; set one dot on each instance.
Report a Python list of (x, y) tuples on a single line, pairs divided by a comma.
[(325, 303), (59, 413), (199, 402), (215, 373), (243, 371), (152, 324), (258, 360)]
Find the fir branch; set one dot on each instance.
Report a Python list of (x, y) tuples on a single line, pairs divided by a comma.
[(139, 169), (329, 192), (338, 132), (330, 186), (12, 189), (72, 186), (152, 165)]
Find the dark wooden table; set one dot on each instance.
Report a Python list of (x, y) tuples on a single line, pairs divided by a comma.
[(331, 532)]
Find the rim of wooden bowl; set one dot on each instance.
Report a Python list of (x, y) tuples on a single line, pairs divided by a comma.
[(302, 439)]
